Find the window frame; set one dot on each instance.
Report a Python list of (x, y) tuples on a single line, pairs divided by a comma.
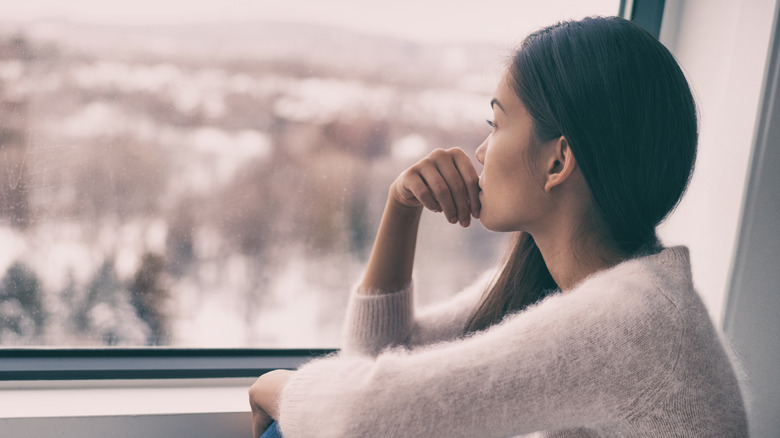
[(148, 362), (647, 13), (109, 363), (752, 299)]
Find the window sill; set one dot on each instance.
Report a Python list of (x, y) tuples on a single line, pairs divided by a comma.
[(123, 397), (128, 393), (126, 408)]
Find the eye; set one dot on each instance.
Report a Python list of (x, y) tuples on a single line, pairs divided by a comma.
[(491, 123)]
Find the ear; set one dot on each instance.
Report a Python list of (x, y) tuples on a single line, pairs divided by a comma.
[(560, 163)]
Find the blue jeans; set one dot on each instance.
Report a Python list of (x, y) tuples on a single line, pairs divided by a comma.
[(272, 431)]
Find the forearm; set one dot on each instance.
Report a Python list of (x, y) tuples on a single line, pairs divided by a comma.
[(392, 257), (523, 375), (444, 181)]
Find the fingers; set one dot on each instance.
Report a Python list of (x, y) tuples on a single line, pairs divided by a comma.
[(435, 177), (422, 191), (454, 194), (445, 181), (471, 180)]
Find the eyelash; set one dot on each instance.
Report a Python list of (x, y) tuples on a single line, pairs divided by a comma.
[(491, 123)]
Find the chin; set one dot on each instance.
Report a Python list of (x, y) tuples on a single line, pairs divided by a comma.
[(488, 224), (496, 224)]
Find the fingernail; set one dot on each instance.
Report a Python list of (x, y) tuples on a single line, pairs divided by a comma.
[(453, 220)]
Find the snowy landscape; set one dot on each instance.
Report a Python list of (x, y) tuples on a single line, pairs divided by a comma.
[(218, 186)]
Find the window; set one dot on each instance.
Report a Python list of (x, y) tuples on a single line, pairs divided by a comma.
[(212, 174)]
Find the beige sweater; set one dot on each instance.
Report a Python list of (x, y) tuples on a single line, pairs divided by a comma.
[(630, 352)]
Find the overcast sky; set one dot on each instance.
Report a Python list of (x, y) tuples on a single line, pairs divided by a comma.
[(499, 21)]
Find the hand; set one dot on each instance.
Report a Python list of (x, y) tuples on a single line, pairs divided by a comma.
[(444, 181), (264, 398), (260, 420)]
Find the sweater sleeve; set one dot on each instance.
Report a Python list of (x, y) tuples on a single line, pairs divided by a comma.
[(572, 360), (376, 322)]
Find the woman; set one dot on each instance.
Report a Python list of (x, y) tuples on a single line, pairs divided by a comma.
[(592, 328)]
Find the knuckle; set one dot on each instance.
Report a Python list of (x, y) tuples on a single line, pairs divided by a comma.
[(423, 164), (437, 153), (456, 152)]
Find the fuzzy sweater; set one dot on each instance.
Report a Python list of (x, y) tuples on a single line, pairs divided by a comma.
[(630, 352)]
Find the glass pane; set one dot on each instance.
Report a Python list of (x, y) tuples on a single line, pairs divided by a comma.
[(211, 173)]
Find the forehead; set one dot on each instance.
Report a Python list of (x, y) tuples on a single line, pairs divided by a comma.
[(505, 94)]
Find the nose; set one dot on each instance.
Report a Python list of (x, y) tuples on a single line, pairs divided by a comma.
[(480, 154)]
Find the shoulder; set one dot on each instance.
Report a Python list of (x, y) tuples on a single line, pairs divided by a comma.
[(659, 282), (635, 310), (636, 306)]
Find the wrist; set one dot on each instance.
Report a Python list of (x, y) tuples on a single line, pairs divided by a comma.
[(399, 208)]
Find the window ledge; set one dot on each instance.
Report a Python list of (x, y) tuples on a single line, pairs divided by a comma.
[(123, 397)]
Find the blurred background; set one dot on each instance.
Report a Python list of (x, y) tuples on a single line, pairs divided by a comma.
[(211, 174)]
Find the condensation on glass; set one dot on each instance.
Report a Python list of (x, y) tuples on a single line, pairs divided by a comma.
[(218, 185)]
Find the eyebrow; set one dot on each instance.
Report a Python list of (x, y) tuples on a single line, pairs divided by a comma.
[(497, 103)]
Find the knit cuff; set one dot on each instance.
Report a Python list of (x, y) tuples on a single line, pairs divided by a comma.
[(375, 322), (312, 402), (292, 413)]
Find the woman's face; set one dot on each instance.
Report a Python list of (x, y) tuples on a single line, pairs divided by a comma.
[(512, 196)]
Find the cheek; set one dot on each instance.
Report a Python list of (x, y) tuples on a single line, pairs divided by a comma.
[(499, 199), (512, 198)]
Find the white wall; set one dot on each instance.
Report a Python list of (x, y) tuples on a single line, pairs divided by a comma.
[(750, 319), (722, 46)]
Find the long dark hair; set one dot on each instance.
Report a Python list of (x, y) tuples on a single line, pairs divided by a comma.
[(624, 106)]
